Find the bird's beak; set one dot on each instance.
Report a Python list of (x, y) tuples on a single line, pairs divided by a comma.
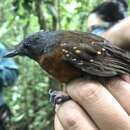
[(11, 54)]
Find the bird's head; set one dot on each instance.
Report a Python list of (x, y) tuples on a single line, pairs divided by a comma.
[(34, 45)]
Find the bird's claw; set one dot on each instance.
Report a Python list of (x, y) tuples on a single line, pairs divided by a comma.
[(58, 97)]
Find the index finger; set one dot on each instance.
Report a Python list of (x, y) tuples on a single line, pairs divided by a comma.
[(73, 117)]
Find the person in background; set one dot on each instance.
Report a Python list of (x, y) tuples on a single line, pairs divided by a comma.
[(8, 76), (106, 15), (110, 20)]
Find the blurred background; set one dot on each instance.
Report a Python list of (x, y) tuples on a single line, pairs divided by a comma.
[(28, 99)]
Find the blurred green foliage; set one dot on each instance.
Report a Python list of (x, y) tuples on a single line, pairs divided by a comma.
[(28, 99)]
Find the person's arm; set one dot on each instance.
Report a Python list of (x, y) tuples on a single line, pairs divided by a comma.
[(8, 76), (119, 34)]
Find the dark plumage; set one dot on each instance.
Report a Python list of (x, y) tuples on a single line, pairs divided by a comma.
[(67, 55)]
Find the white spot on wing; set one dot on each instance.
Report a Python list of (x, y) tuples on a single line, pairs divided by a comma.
[(91, 60), (77, 51), (103, 49), (99, 52)]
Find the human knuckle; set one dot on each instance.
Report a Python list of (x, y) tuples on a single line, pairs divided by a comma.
[(71, 119), (89, 91)]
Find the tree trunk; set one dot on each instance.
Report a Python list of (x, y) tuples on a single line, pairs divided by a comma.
[(56, 17), (40, 14)]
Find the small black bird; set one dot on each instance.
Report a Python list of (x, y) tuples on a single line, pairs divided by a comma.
[(67, 55)]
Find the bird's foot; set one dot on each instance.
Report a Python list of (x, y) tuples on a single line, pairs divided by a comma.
[(58, 97)]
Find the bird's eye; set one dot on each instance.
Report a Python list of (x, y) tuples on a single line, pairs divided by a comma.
[(26, 46)]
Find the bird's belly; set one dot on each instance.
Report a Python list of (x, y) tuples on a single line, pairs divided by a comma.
[(67, 74), (64, 72)]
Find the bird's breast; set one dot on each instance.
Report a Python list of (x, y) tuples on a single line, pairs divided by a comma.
[(56, 66)]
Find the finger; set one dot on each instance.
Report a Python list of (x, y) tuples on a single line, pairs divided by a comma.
[(57, 124), (72, 117), (120, 89), (126, 78), (100, 105)]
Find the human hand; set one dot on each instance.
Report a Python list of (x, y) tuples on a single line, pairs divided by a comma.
[(95, 107)]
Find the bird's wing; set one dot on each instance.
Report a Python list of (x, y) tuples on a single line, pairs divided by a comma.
[(96, 56)]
